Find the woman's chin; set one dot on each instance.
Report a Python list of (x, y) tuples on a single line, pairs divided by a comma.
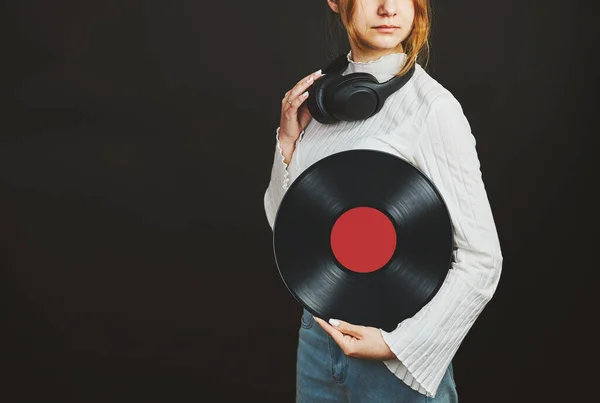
[(383, 42), (385, 45)]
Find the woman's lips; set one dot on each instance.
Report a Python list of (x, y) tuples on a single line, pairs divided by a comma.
[(386, 29)]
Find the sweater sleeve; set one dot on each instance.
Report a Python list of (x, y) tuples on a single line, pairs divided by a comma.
[(278, 184), (426, 343)]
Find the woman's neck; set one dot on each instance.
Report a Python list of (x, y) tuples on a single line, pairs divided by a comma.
[(366, 56)]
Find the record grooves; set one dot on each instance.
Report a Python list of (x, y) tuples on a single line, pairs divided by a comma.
[(363, 236)]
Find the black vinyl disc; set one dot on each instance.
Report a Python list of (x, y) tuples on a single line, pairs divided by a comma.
[(363, 236)]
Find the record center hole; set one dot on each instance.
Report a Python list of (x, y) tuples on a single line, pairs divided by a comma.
[(363, 239)]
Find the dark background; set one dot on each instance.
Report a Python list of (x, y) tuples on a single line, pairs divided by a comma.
[(136, 146)]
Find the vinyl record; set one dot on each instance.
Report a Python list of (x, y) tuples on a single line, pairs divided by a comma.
[(363, 236)]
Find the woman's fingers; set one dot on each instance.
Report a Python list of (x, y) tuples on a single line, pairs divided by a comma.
[(296, 102), (296, 96)]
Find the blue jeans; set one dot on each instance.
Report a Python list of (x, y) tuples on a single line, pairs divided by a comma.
[(325, 374)]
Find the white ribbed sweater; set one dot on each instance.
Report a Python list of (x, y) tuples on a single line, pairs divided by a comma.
[(424, 124)]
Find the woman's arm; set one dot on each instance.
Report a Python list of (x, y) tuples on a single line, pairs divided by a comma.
[(280, 177), (426, 343)]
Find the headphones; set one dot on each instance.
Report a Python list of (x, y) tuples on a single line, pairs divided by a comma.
[(354, 96)]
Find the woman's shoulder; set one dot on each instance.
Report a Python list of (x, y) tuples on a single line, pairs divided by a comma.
[(427, 92)]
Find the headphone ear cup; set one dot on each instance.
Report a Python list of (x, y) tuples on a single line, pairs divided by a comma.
[(316, 100), (354, 98)]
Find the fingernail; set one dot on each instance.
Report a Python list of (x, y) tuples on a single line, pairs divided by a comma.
[(318, 72), (334, 322)]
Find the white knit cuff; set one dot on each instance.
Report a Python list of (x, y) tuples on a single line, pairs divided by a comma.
[(286, 174)]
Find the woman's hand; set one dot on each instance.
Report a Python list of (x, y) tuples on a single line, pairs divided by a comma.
[(294, 112), (358, 341)]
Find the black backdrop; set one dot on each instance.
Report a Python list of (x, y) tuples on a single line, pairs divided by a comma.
[(136, 146)]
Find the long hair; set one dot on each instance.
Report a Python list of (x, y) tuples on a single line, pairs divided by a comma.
[(416, 44)]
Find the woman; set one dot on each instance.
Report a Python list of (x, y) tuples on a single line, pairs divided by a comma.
[(424, 124)]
